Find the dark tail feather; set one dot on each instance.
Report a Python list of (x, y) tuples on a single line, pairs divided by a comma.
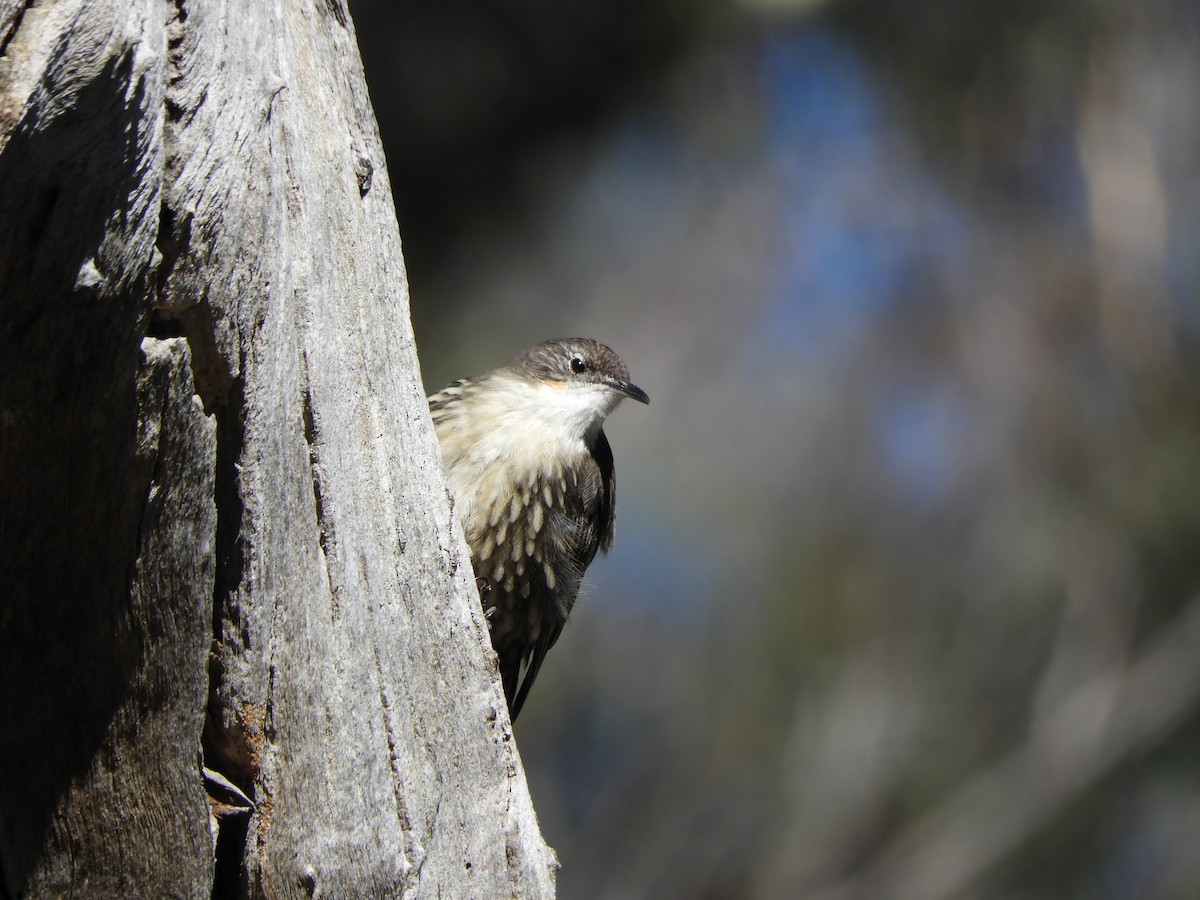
[(510, 672)]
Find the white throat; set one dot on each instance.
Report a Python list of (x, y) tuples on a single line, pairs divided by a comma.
[(559, 412)]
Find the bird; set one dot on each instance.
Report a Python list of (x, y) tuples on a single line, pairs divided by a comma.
[(531, 474)]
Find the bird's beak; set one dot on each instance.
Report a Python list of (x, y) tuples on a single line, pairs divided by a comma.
[(632, 391)]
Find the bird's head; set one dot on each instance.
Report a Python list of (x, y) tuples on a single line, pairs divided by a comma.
[(573, 382)]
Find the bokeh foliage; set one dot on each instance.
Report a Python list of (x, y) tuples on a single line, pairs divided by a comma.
[(904, 597)]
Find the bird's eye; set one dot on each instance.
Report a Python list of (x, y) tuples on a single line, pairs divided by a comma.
[(578, 366)]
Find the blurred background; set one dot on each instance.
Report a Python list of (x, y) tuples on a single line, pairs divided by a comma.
[(905, 598)]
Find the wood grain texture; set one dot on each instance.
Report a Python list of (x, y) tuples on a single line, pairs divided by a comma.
[(211, 173)]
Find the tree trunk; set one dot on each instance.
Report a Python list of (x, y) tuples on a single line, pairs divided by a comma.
[(240, 649)]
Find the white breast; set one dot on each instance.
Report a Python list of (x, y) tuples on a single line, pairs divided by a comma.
[(507, 432)]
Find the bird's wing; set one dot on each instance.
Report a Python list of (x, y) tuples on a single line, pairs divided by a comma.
[(593, 515), (597, 512)]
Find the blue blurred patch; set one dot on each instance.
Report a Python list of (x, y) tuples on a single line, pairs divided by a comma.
[(922, 433)]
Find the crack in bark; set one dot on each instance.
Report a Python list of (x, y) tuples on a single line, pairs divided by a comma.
[(227, 749), (180, 310), (413, 858), (9, 30), (311, 438)]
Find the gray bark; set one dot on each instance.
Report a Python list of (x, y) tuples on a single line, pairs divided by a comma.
[(226, 531)]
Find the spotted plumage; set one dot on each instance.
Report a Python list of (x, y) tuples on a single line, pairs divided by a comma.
[(531, 472)]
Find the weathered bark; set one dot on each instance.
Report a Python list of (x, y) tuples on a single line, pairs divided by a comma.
[(220, 500)]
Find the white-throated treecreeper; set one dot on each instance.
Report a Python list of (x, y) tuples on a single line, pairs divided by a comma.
[(532, 477)]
